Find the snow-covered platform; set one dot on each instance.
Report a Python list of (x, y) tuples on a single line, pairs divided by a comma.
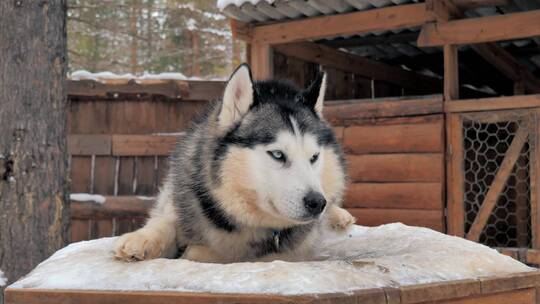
[(388, 264)]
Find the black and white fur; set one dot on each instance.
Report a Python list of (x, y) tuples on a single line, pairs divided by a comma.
[(255, 179)]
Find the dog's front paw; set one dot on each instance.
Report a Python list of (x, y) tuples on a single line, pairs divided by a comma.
[(340, 219), (137, 246)]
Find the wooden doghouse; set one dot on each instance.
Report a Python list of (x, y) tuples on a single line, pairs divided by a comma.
[(464, 161)]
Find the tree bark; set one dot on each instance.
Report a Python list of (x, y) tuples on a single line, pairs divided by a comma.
[(34, 210)]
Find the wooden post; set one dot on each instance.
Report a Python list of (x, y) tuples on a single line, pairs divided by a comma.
[(34, 219), (454, 176), (262, 63), (451, 73)]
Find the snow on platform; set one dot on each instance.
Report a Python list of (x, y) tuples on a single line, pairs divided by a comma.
[(386, 256)]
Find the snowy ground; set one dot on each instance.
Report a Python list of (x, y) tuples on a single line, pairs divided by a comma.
[(389, 255)]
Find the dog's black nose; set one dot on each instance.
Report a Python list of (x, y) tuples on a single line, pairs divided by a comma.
[(314, 203)]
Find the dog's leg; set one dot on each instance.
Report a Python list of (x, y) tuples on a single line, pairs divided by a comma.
[(157, 239), (339, 218), (203, 254)]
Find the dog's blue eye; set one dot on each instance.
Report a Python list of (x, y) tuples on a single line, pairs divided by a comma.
[(314, 158), (277, 155)]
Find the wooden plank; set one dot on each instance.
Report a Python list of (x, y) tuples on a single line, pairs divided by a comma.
[(454, 176), (439, 291), (496, 103), (381, 19), (125, 176), (534, 179), (339, 113), (50, 296), (451, 73), (523, 296), (510, 282), (498, 183), (262, 66), (146, 176), (379, 216), (79, 230), (532, 256), (113, 207), (389, 121), (142, 145), (456, 292), (372, 69), (425, 137), (104, 228), (396, 167), (481, 29), (104, 175), (105, 87), (394, 195), (80, 174), (89, 144)]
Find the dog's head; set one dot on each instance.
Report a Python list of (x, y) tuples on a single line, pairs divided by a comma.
[(278, 161)]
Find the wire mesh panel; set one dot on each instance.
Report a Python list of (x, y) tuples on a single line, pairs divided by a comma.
[(486, 138)]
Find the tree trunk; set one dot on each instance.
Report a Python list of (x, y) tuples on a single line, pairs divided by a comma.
[(34, 209), (134, 32)]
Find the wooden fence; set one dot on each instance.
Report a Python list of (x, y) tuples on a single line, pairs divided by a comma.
[(119, 143)]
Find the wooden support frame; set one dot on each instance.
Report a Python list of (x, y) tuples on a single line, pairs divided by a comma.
[(527, 133), (454, 177), (490, 104), (262, 64), (381, 19), (451, 73), (482, 29), (498, 183), (328, 56)]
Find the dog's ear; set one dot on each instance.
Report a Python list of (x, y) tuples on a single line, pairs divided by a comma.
[(314, 95), (237, 98)]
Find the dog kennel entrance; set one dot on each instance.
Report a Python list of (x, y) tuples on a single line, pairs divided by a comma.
[(492, 178)]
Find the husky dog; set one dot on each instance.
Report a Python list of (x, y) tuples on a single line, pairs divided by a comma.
[(255, 179)]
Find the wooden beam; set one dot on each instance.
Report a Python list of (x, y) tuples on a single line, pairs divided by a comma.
[(368, 68), (262, 64), (175, 89), (141, 145), (113, 207), (340, 113), (495, 103), (91, 144), (444, 10), (451, 73), (381, 19), (509, 66), (482, 29), (498, 183), (241, 30)]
